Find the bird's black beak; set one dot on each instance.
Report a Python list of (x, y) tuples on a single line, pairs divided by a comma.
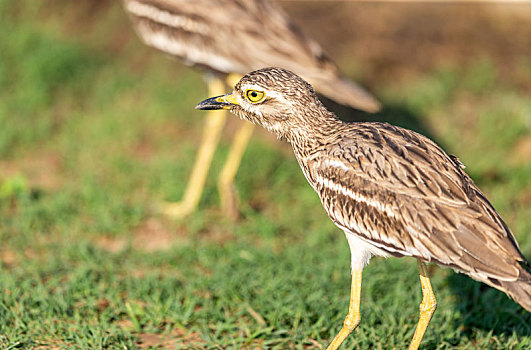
[(218, 102)]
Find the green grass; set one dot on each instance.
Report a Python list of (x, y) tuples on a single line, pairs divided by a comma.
[(94, 133)]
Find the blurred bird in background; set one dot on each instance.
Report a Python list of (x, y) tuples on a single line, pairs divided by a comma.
[(227, 38)]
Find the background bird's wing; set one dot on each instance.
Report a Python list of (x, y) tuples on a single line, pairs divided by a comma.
[(411, 198), (238, 36)]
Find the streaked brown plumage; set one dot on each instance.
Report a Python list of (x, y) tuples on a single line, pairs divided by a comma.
[(391, 190), (236, 36)]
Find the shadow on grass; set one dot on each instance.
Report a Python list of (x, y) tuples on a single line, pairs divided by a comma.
[(486, 308)]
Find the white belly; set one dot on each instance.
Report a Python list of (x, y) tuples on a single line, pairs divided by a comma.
[(361, 251)]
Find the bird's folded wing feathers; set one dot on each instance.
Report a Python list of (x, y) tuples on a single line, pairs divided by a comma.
[(251, 33), (413, 200)]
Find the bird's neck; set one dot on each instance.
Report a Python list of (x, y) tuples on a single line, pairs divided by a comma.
[(314, 132)]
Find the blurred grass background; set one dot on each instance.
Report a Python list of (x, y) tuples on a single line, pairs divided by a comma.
[(95, 129)]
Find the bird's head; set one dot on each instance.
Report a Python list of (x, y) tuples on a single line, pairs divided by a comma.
[(271, 97)]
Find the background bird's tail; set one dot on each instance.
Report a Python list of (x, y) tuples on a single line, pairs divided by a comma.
[(519, 291), (345, 92)]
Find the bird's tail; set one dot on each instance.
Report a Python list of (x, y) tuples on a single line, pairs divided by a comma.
[(345, 91), (519, 290)]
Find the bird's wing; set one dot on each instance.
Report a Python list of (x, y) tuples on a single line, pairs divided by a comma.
[(237, 36), (411, 198)]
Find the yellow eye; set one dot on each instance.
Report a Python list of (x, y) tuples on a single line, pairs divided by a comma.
[(255, 96)]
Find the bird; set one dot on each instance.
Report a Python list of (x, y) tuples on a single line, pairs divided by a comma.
[(226, 39), (392, 191)]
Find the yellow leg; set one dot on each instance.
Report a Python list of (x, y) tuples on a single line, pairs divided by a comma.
[(215, 120), (353, 317), (427, 306), (226, 190)]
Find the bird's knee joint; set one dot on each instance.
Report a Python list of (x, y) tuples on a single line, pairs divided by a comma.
[(428, 306), (352, 321)]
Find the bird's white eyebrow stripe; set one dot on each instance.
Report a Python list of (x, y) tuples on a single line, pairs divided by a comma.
[(252, 87), (276, 95)]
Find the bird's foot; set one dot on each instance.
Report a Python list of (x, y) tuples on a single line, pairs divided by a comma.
[(177, 210)]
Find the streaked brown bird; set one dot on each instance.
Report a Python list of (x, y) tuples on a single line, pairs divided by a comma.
[(228, 38), (392, 191)]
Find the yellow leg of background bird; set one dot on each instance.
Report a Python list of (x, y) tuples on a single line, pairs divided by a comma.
[(427, 306), (226, 188), (226, 177), (232, 79), (353, 317), (215, 120)]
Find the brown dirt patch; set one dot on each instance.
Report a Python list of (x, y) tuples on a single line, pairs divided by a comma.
[(50, 345), (42, 171), (111, 244), (12, 257), (158, 234), (153, 235), (8, 258), (125, 324), (150, 236), (176, 340)]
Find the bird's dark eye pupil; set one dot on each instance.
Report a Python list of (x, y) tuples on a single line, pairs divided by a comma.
[(254, 94)]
